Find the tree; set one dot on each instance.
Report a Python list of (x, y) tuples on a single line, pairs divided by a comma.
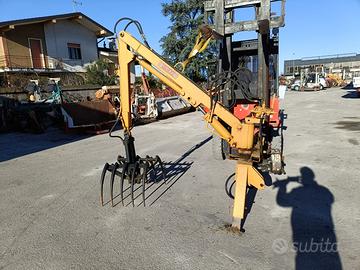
[(186, 16), (98, 73)]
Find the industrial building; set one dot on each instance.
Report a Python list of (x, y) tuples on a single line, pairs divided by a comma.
[(346, 65)]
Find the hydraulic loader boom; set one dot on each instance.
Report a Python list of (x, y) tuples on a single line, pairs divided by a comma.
[(130, 49), (243, 135), (240, 101)]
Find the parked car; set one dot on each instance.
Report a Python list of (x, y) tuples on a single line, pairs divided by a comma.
[(296, 85)]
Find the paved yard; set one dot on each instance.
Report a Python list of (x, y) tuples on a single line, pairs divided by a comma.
[(51, 218)]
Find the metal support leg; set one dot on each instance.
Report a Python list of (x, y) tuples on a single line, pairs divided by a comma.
[(245, 175), (241, 179)]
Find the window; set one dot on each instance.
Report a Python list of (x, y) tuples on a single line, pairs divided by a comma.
[(74, 51)]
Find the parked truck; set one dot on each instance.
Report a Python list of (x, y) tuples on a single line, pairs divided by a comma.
[(356, 80), (310, 81)]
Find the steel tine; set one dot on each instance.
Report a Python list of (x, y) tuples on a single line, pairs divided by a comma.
[(113, 172), (102, 179), (158, 159), (152, 166), (144, 181), (133, 173), (122, 183)]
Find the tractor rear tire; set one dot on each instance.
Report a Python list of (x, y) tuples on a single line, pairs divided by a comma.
[(217, 148)]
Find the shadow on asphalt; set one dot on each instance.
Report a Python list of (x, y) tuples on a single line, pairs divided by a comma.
[(352, 94), (352, 124), (14, 145), (314, 237)]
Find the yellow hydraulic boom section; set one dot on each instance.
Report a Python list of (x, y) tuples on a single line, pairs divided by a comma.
[(239, 134), (202, 41)]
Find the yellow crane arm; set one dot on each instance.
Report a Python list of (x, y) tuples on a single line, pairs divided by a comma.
[(130, 49), (202, 41), (239, 134)]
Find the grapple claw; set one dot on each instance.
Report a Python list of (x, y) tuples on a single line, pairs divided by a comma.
[(134, 169), (106, 166), (113, 173)]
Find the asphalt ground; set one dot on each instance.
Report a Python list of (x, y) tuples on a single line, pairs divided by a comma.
[(51, 218)]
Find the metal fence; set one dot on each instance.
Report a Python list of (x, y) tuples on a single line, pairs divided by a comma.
[(27, 62)]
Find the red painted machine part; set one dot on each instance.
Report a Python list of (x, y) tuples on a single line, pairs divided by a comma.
[(242, 110)]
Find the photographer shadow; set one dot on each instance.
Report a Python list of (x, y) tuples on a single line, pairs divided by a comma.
[(314, 237)]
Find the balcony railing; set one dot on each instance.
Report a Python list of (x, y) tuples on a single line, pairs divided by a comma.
[(43, 63)]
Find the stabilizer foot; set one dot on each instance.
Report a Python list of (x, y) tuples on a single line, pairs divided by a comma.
[(245, 175)]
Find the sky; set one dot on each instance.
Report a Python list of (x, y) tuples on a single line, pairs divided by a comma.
[(313, 27)]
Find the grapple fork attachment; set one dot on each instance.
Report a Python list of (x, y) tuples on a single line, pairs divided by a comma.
[(132, 168)]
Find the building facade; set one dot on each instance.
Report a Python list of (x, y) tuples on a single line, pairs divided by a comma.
[(61, 42), (345, 64)]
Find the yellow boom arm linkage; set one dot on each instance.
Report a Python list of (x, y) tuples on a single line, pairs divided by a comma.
[(202, 41), (239, 135)]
